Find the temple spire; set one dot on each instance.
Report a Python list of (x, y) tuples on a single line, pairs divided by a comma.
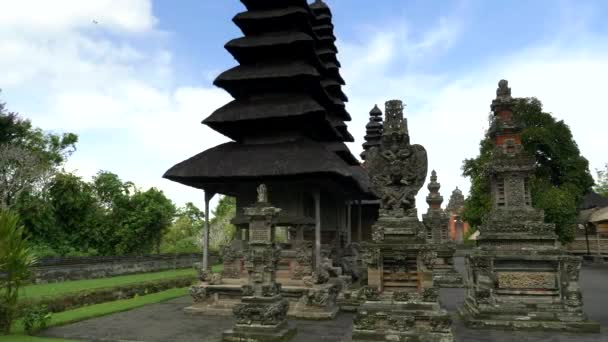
[(434, 199), (373, 130)]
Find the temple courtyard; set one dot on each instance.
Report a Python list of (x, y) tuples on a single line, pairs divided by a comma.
[(167, 321)]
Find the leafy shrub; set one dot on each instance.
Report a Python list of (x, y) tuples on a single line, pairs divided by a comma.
[(16, 260), (36, 318)]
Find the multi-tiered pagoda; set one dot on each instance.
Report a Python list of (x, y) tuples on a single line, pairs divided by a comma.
[(287, 125), (519, 277)]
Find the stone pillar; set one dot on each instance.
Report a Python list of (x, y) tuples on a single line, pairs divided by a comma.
[(359, 219), (208, 197), (262, 313), (349, 231), (317, 197)]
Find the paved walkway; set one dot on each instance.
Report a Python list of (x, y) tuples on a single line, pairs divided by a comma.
[(166, 322)]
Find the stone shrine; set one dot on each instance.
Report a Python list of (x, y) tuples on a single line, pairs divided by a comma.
[(401, 301), (518, 277), (436, 223), (262, 313)]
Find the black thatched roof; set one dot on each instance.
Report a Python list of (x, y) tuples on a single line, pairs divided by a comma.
[(593, 200), (233, 162)]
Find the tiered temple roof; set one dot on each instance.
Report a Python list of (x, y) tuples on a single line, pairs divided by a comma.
[(287, 116)]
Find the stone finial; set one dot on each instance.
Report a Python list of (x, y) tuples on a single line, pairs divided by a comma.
[(394, 123), (262, 194), (434, 199), (503, 92)]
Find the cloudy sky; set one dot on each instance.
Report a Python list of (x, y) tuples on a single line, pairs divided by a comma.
[(134, 78)]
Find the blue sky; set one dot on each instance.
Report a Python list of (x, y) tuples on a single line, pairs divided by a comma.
[(136, 84)]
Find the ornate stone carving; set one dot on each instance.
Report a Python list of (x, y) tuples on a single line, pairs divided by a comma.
[(428, 257), (401, 296), (369, 293), (199, 293), (527, 280), (262, 194), (365, 321), (398, 170), (378, 233), (247, 290), (256, 313), (229, 254), (271, 290), (371, 257), (441, 324), (430, 294), (401, 323)]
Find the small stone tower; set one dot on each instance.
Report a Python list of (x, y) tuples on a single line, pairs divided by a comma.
[(519, 277), (373, 131)]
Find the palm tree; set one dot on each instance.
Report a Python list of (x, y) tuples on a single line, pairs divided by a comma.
[(16, 260)]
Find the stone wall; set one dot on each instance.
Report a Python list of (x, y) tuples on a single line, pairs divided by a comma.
[(51, 270)]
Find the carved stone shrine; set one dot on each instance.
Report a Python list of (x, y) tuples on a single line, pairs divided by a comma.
[(401, 301), (436, 222), (519, 277), (262, 313)]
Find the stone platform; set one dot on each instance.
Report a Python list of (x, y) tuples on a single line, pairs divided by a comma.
[(167, 322)]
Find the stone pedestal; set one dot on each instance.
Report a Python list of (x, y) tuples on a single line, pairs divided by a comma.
[(261, 314), (400, 300)]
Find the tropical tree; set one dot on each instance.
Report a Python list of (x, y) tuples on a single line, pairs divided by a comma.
[(183, 236), (602, 182), (222, 231), (28, 156), (16, 260), (561, 175)]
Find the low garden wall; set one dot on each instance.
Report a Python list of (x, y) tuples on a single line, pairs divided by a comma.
[(60, 269)]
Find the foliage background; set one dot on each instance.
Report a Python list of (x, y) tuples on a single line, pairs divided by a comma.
[(561, 176)]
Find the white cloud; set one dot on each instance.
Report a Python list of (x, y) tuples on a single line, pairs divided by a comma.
[(69, 74), (449, 113), (34, 16)]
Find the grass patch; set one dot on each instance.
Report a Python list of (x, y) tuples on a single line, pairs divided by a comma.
[(32, 292), (57, 289), (25, 338), (103, 309), (91, 312)]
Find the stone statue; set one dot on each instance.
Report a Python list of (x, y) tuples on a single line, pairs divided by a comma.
[(262, 194), (398, 168)]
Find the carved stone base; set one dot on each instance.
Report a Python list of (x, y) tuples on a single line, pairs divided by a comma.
[(410, 321), (317, 303), (260, 319), (524, 290)]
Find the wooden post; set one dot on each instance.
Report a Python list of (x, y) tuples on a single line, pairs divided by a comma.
[(359, 228), (208, 196), (317, 196), (349, 227), (587, 238)]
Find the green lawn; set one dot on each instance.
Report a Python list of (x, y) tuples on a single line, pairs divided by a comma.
[(57, 289), (92, 311)]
